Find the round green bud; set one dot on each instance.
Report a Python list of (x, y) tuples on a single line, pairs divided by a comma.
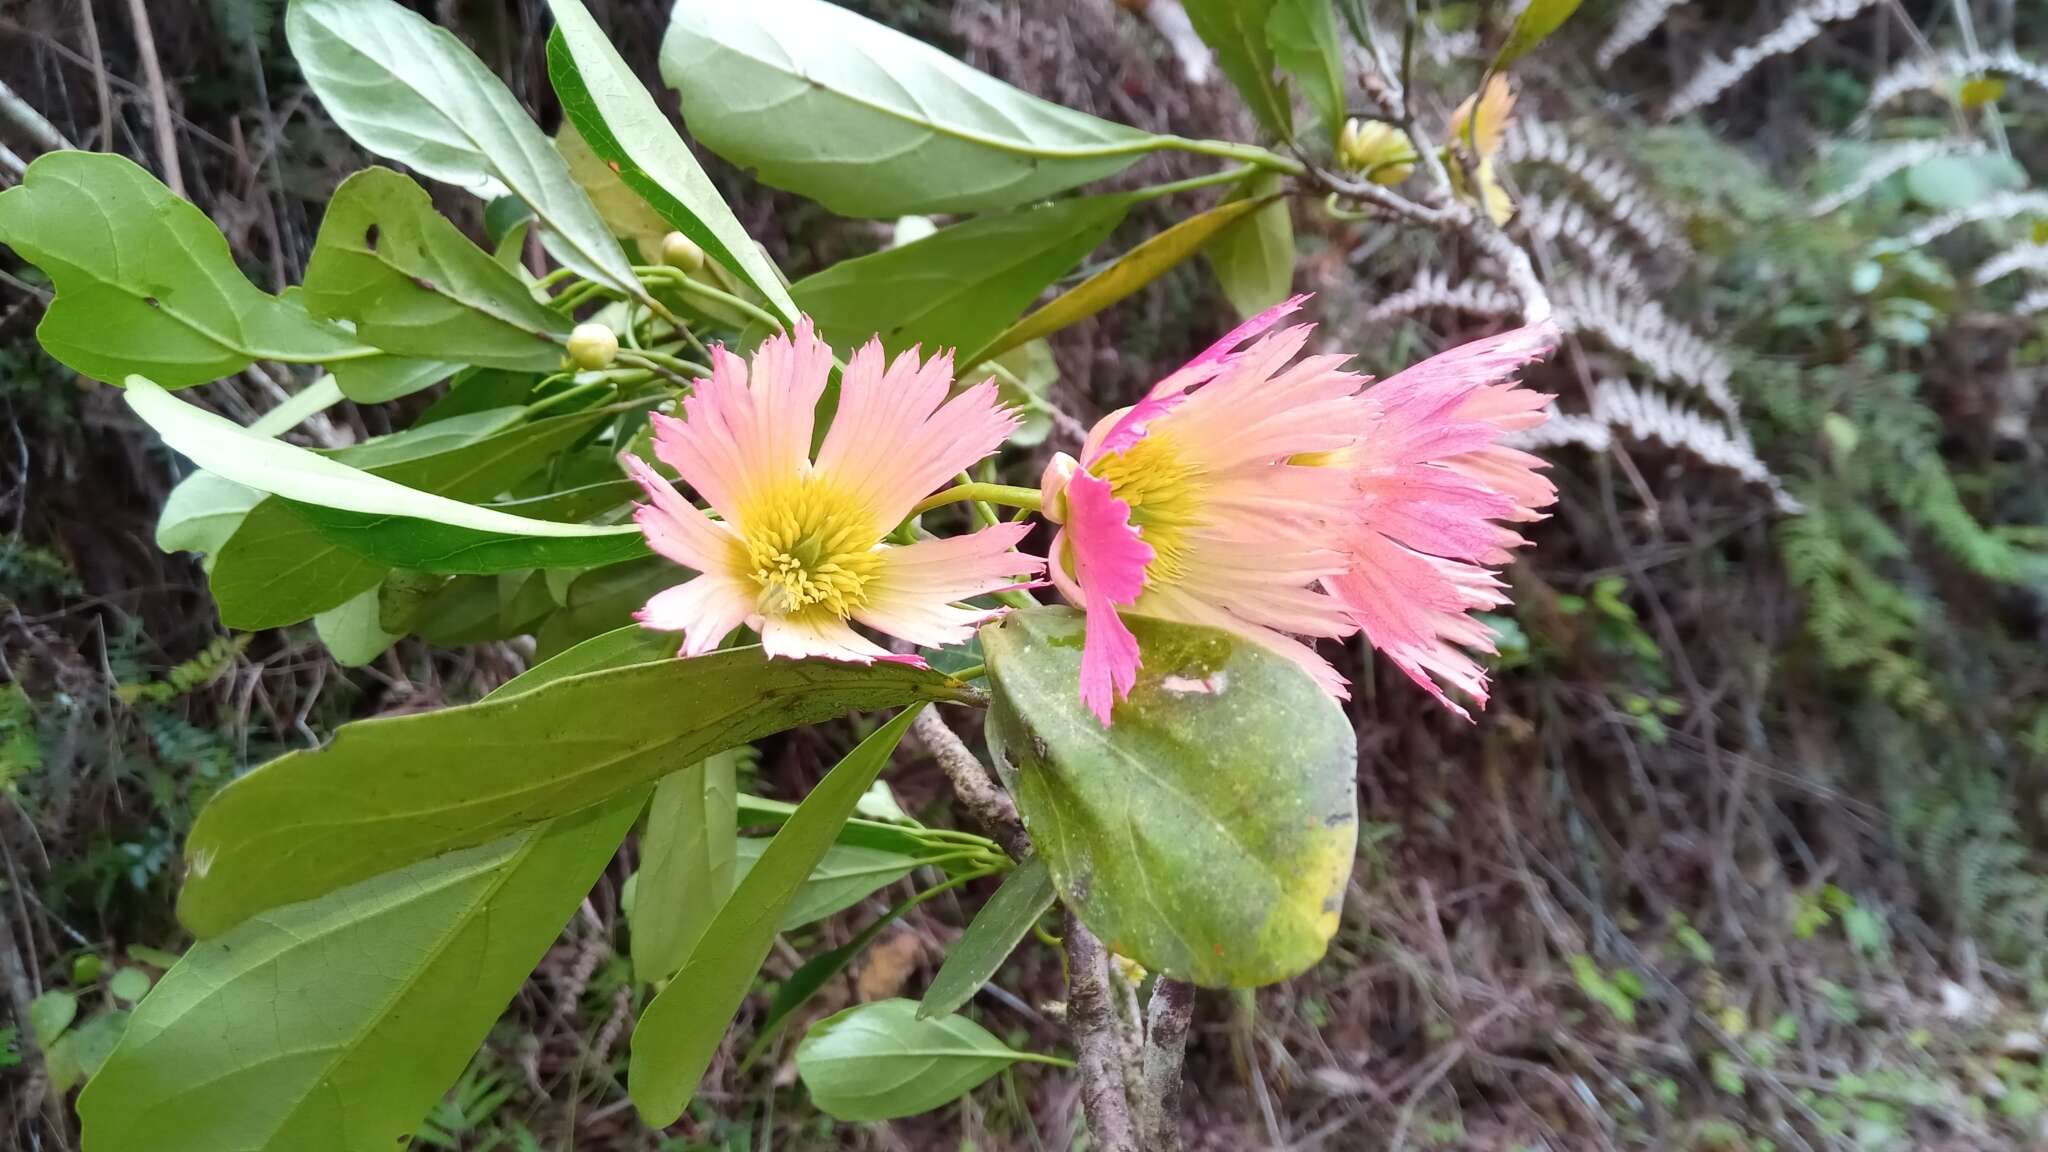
[(593, 346), (85, 969), (679, 251)]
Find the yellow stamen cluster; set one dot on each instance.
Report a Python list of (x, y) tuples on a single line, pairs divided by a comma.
[(811, 549), (1165, 495)]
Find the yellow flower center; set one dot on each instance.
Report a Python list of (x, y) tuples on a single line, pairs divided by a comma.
[(811, 549), (1165, 495)]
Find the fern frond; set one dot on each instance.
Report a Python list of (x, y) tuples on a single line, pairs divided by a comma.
[(1606, 183), (1432, 290), (2022, 258), (1632, 27), (1645, 415), (2002, 206), (1640, 329), (1717, 75), (2033, 303), (1941, 72), (1568, 223), (1889, 161)]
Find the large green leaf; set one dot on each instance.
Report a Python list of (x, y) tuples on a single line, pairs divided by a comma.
[(622, 124), (973, 960), (334, 1025), (413, 283), (680, 1031), (882, 1061), (409, 90), (870, 122), (289, 559), (386, 792), (848, 874), (959, 286), (686, 864), (1306, 44), (1130, 272), (1254, 258), (235, 454), (1208, 833), (145, 282), (1236, 31)]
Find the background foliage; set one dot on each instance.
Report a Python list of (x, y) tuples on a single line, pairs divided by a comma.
[(1747, 851)]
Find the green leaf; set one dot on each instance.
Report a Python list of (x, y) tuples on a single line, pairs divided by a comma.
[(680, 1031), (959, 286), (409, 90), (1306, 44), (881, 1061), (334, 1025), (1254, 257), (407, 542), (1236, 31), (411, 282), (256, 585), (81, 1052), (202, 512), (1025, 376), (869, 122), (386, 792), (129, 985), (1131, 271), (1209, 833), (1533, 27), (353, 633), (622, 124), (995, 932), (847, 875), (761, 812), (376, 379), (145, 282), (686, 864), (50, 1014)]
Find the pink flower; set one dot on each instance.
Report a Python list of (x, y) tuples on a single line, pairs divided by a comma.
[(1429, 484), (1190, 506), (797, 551)]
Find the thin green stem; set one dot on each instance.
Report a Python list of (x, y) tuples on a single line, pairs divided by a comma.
[(674, 364), (1008, 495), (1226, 176), (1230, 150), (970, 672), (567, 395), (681, 282), (558, 276)]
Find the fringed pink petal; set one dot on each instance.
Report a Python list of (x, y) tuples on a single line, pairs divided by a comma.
[(674, 527), (1189, 607), (1109, 569), (1127, 429), (913, 596), (798, 637), (896, 438), (705, 610), (1438, 511), (1414, 609), (744, 429)]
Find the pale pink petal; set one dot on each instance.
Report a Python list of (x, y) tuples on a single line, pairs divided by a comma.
[(1413, 608), (1438, 511), (675, 528), (743, 430), (816, 634), (1120, 431), (1185, 606), (896, 438), (1109, 562), (913, 596), (705, 609)]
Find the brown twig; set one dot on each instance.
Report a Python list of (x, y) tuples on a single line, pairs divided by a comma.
[(991, 807), (1166, 1041), (1092, 1016), (159, 99), (103, 90)]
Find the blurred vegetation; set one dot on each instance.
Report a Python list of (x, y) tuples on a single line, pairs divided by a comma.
[(1746, 854)]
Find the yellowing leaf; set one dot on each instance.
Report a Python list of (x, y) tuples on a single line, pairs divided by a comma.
[(1978, 91), (622, 210)]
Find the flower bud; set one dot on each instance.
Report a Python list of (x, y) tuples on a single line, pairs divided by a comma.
[(679, 251), (1382, 152), (593, 346)]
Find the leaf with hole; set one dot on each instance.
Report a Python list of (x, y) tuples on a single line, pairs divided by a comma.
[(830, 105), (622, 124), (409, 90), (145, 282), (412, 283), (881, 1061), (681, 1029), (1208, 834)]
